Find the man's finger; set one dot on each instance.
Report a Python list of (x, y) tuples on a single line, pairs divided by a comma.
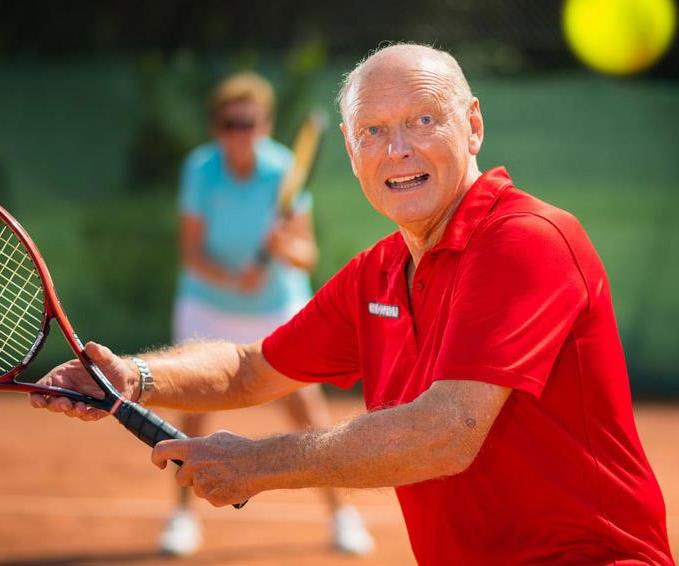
[(184, 477), (59, 404), (90, 416), (79, 410), (98, 354), (37, 401), (169, 450)]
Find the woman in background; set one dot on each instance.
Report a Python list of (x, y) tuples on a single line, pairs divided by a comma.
[(229, 222)]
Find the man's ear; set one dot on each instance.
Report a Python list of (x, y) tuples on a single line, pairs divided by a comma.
[(476, 126), (348, 146)]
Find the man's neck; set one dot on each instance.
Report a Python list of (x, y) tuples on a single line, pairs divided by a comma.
[(421, 237)]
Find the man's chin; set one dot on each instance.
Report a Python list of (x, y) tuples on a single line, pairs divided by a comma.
[(409, 217)]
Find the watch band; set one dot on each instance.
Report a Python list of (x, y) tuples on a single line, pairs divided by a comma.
[(145, 380)]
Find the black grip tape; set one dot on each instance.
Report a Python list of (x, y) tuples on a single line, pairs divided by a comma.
[(150, 428), (146, 425)]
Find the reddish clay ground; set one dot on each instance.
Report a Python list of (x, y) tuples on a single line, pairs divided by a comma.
[(75, 493)]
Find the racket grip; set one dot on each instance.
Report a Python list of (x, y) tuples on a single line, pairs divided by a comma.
[(150, 428), (146, 425)]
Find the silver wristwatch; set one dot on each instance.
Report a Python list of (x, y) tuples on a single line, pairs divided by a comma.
[(145, 380)]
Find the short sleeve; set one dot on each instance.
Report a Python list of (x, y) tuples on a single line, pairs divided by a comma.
[(319, 344), (518, 293), (189, 189)]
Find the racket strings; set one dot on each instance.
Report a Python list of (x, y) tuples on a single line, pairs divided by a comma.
[(21, 301)]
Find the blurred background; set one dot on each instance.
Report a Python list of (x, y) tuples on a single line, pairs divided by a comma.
[(100, 101)]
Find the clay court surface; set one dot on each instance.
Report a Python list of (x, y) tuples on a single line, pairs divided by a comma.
[(79, 493)]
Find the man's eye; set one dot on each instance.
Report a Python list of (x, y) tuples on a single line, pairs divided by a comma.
[(426, 120), (373, 130)]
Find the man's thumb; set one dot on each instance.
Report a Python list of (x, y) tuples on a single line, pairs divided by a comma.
[(99, 354)]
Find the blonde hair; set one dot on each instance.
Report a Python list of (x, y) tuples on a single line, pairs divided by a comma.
[(242, 87)]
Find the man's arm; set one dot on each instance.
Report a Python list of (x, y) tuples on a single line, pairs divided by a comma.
[(210, 376), (438, 434), (198, 376)]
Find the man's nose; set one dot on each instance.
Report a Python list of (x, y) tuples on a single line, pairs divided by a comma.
[(399, 145)]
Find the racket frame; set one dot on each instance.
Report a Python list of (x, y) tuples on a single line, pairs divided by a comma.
[(52, 310)]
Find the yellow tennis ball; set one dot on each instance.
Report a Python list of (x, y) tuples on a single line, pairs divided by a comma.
[(619, 36)]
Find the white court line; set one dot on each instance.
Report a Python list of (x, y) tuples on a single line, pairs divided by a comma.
[(255, 511)]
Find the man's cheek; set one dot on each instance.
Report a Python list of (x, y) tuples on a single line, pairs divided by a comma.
[(354, 167), (372, 196)]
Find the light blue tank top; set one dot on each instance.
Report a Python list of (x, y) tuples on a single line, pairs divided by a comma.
[(237, 216)]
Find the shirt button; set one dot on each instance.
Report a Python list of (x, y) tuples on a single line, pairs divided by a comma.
[(419, 285)]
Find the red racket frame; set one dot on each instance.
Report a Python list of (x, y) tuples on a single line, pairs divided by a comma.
[(52, 310)]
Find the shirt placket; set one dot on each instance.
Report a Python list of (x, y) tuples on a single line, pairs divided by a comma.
[(400, 288), (418, 296)]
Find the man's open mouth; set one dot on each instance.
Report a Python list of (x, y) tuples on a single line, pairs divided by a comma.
[(407, 181)]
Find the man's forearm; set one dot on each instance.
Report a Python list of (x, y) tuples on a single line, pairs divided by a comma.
[(406, 444), (208, 376)]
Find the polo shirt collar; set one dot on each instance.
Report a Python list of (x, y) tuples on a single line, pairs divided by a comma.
[(473, 208)]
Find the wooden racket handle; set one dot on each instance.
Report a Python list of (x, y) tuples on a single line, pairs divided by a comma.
[(150, 428)]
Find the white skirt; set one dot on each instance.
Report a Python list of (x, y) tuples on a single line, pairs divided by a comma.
[(194, 320)]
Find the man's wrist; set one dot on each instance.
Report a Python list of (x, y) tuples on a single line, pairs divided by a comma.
[(284, 462), (131, 384), (145, 383)]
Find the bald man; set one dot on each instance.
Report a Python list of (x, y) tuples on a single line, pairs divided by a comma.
[(495, 382)]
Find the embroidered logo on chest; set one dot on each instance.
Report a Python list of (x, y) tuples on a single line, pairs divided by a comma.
[(380, 309)]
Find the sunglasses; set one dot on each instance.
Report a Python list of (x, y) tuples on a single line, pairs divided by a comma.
[(236, 125)]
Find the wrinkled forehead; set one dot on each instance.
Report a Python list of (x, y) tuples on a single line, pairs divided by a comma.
[(392, 84)]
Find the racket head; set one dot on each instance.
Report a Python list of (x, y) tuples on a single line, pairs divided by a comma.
[(25, 310), (305, 150), (28, 302)]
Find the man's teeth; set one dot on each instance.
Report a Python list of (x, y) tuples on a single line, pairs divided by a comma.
[(407, 181), (403, 179)]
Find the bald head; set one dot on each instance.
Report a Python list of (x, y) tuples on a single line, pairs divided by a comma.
[(401, 57)]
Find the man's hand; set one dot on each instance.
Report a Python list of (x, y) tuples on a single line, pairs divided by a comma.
[(122, 373), (220, 467)]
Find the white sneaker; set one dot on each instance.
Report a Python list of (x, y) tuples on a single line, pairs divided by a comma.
[(349, 533), (182, 534)]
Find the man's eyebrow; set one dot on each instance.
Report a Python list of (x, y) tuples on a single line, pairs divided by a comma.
[(428, 99), (361, 119)]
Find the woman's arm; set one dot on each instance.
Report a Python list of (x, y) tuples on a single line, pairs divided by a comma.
[(292, 240)]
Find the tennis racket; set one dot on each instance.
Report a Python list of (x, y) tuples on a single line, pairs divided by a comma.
[(28, 303), (304, 149)]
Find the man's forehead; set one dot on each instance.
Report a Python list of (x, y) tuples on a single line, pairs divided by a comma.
[(399, 72), (401, 88), (406, 59)]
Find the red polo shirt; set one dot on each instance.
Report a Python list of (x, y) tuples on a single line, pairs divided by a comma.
[(515, 295)]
